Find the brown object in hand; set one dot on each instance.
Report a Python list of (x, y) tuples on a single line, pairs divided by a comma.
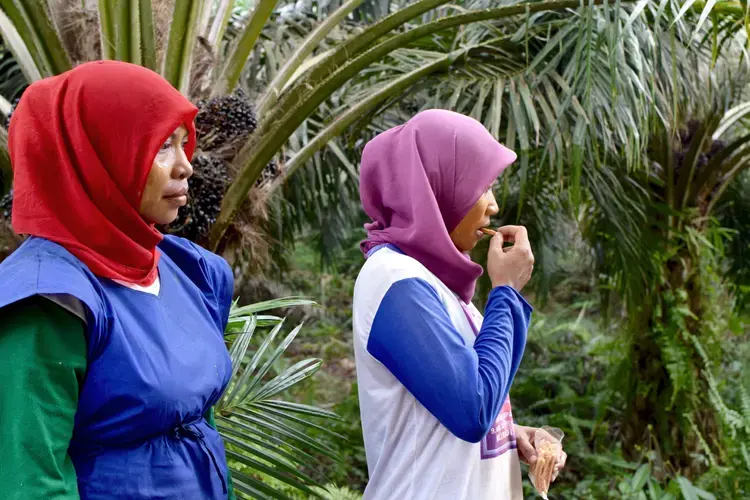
[(491, 232), (544, 467), (548, 446)]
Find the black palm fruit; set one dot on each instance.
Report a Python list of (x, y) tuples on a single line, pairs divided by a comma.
[(10, 113), (225, 122), (6, 204)]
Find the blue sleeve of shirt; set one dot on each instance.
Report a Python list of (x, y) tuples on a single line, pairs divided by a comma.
[(464, 387)]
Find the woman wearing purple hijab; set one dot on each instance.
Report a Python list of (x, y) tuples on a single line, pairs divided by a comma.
[(434, 375)]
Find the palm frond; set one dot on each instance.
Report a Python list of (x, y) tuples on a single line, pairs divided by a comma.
[(303, 50), (108, 28), (127, 31), (218, 24), (179, 55), (262, 434), (15, 43), (239, 54), (584, 73), (28, 29), (12, 80)]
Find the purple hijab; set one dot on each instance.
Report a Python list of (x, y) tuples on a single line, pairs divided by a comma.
[(418, 181)]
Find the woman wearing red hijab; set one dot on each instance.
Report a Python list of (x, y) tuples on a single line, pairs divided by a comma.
[(111, 334)]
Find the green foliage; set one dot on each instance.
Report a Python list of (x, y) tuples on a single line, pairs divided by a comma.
[(568, 379), (563, 381), (644, 486), (676, 337), (328, 336), (596, 98), (327, 492), (267, 437), (733, 213), (351, 469)]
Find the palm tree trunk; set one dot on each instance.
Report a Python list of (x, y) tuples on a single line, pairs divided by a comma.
[(666, 398)]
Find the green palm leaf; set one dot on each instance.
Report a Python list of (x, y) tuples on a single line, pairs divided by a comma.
[(235, 63), (179, 56), (32, 27), (267, 441), (266, 436)]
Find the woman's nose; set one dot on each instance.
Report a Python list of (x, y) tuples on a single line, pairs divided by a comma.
[(182, 169), (492, 208)]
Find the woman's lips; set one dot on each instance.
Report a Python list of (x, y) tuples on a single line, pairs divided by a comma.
[(179, 201), (178, 197), (174, 193), (483, 231)]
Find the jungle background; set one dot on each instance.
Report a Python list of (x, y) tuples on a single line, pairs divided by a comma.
[(631, 123)]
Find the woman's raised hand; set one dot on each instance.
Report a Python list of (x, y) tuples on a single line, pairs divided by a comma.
[(513, 266)]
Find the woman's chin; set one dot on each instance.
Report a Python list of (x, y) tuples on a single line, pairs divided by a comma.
[(465, 242), (466, 246), (169, 218), (163, 218)]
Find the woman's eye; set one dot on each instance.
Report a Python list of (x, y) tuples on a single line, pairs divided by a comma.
[(165, 146)]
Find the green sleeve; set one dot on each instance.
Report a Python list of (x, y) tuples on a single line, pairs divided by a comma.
[(209, 416), (42, 365)]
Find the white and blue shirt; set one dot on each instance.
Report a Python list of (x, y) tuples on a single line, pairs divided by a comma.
[(434, 378)]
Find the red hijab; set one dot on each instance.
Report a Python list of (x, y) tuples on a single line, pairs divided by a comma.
[(82, 145)]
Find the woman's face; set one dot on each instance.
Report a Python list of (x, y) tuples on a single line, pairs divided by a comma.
[(467, 234), (166, 188)]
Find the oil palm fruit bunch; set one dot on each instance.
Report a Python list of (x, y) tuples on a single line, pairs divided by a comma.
[(224, 123)]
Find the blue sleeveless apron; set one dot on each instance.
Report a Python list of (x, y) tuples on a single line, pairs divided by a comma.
[(155, 365)]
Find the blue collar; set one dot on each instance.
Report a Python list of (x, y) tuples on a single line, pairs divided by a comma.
[(390, 246)]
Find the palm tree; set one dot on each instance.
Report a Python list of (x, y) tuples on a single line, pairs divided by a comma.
[(584, 88), (596, 107), (44, 42), (39, 35), (672, 288)]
